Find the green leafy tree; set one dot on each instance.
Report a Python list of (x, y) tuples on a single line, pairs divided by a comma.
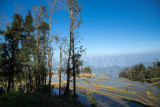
[(140, 73), (40, 17), (28, 48), (11, 49)]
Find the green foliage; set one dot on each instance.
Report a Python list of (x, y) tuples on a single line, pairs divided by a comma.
[(13, 93), (91, 99), (44, 27), (10, 51), (86, 70), (20, 60), (23, 56), (28, 25), (140, 73)]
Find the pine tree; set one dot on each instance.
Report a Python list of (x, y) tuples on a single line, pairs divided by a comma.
[(11, 51), (28, 48)]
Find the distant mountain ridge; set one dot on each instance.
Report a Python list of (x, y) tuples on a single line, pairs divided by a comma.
[(108, 66)]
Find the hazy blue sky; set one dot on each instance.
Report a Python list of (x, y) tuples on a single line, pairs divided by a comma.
[(121, 26), (110, 27)]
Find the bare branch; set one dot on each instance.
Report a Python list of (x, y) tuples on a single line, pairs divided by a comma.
[(4, 21), (18, 8)]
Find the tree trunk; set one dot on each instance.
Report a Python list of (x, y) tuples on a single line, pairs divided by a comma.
[(30, 80), (25, 82), (12, 82), (52, 7), (5, 86), (66, 92), (45, 79), (39, 79), (35, 73), (9, 81), (16, 85), (60, 72), (38, 60), (36, 83), (12, 76), (74, 78), (49, 66), (20, 86)]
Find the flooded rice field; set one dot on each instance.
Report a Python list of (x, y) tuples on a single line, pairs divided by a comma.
[(112, 91)]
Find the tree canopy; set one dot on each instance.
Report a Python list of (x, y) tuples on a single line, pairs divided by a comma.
[(141, 73)]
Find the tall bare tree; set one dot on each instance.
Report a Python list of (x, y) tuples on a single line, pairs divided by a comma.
[(52, 5), (74, 9), (61, 43)]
